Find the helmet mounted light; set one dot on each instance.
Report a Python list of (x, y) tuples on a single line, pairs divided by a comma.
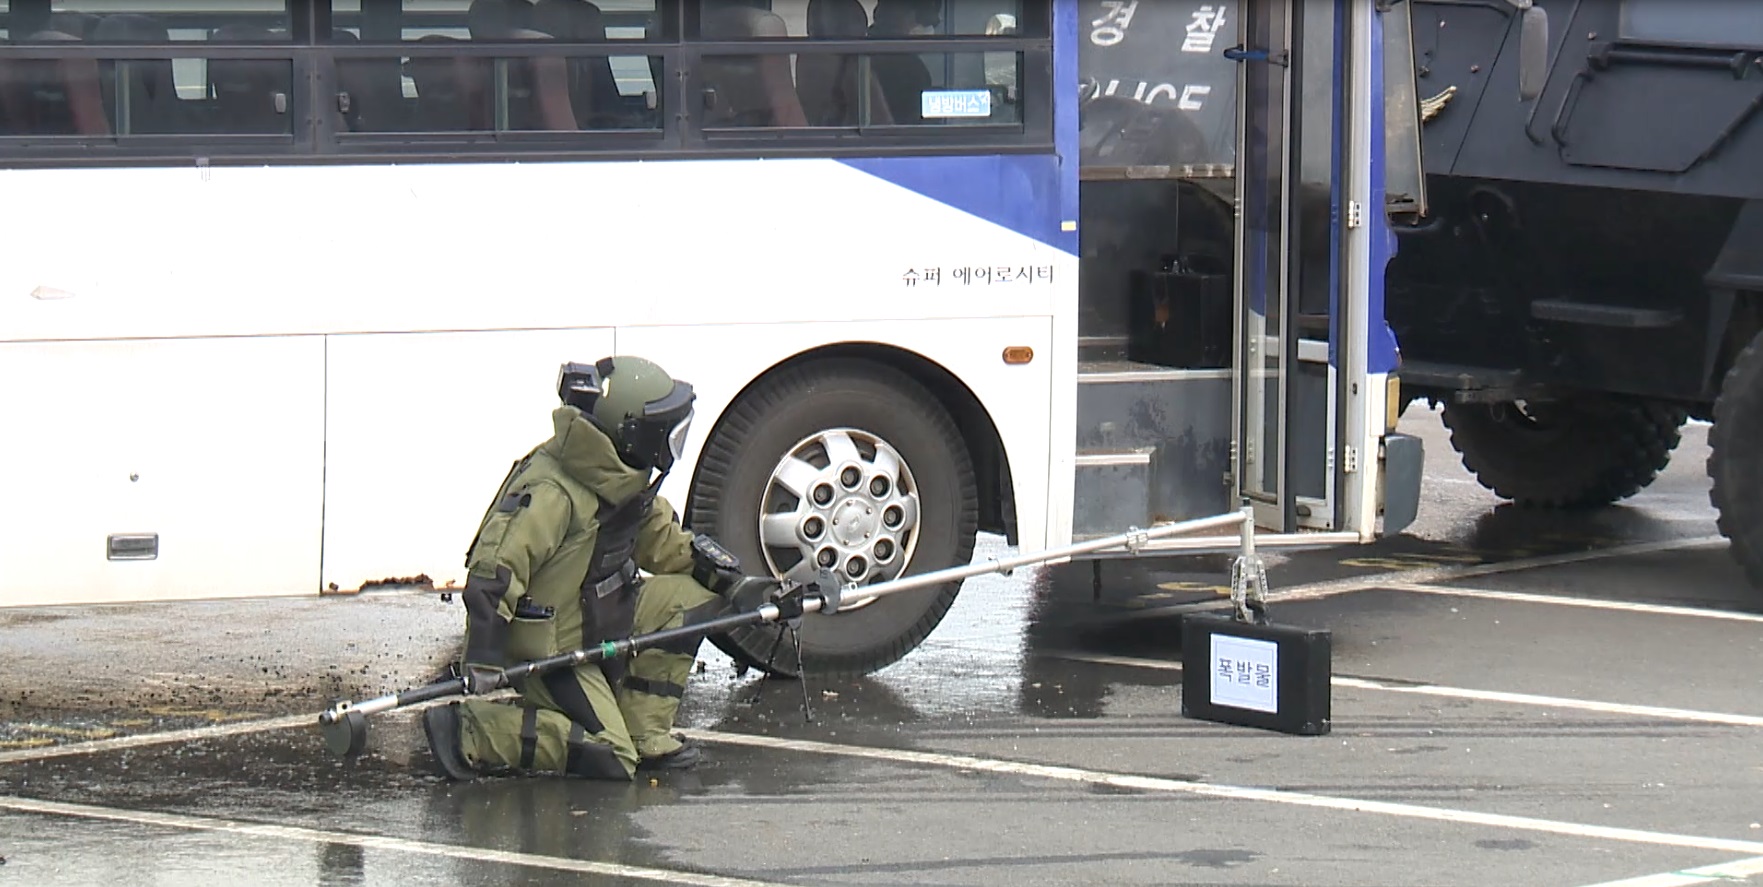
[(578, 384)]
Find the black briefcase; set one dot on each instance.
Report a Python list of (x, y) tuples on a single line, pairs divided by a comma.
[(1274, 677)]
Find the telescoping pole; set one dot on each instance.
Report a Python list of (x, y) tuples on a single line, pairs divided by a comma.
[(345, 723), (1132, 540)]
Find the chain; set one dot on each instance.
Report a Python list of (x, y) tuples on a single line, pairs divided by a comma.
[(1248, 585)]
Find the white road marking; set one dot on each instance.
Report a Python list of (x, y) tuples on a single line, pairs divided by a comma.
[(369, 842), (1615, 708), (1740, 871), (1428, 575), (1569, 601), (1233, 792)]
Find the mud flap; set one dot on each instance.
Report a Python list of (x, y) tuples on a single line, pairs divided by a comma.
[(1404, 464), (1273, 677)]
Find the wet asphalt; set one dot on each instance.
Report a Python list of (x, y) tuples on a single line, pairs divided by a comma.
[(1037, 736)]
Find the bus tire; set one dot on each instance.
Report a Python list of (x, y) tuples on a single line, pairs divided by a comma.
[(795, 413), (1585, 452), (1736, 461)]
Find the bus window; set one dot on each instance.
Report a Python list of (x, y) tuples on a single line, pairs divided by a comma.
[(1692, 23), (87, 93), (840, 85), (440, 82), (180, 22)]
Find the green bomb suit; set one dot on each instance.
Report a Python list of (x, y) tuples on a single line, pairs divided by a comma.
[(526, 598)]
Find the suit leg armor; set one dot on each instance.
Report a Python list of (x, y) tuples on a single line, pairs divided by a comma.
[(649, 696), (575, 728)]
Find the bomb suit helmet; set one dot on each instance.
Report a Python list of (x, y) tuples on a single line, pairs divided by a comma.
[(643, 410)]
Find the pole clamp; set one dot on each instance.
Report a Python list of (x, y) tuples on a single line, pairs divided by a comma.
[(1136, 540), (831, 589)]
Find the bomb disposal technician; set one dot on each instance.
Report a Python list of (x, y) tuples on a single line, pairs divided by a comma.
[(554, 568)]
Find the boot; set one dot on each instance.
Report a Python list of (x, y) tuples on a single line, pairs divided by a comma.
[(685, 757), (441, 725)]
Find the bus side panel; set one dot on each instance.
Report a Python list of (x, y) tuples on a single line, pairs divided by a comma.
[(211, 450), (971, 350), (500, 246), (420, 429)]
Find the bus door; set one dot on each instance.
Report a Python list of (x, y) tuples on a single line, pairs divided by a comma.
[(1312, 354)]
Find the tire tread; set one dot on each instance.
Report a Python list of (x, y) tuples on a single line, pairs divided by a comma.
[(1735, 461), (1634, 440)]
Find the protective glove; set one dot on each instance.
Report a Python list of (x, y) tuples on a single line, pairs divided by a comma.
[(481, 678)]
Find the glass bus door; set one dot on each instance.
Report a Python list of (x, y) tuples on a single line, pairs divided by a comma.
[(1304, 398)]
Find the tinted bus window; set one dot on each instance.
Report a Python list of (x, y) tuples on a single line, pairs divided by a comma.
[(440, 81), (847, 87), (192, 90)]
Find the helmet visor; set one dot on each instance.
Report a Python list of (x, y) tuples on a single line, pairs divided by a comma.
[(676, 439)]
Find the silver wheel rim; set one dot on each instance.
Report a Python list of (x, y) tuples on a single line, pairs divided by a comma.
[(843, 499)]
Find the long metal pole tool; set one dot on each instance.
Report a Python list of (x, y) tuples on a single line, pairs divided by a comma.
[(345, 724)]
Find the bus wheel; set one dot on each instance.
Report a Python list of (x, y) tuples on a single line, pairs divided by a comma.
[(850, 465), (1736, 463), (1584, 452)]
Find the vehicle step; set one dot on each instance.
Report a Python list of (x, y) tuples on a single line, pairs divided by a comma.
[(1106, 372), (1098, 457), (1456, 377), (1099, 348), (1113, 489), (1618, 316)]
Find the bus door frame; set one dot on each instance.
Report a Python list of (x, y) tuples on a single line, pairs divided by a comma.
[(1308, 412)]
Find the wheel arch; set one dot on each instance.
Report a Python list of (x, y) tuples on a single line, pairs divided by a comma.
[(979, 433)]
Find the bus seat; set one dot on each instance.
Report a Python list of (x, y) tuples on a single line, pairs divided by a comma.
[(498, 19), (903, 77), (150, 94), (751, 90), (593, 91), (451, 93), (570, 20), (250, 95), (827, 84), (55, 96), (77, 24), (538, 90), (355, 79)]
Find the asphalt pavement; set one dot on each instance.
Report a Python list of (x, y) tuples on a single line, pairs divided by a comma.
[(1517, 698)]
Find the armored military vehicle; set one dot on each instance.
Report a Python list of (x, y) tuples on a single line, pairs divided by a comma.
[(1589, 272)]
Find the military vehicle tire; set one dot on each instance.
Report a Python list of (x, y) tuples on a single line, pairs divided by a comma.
[(1736, 463), (1581, 453), (777, 437)]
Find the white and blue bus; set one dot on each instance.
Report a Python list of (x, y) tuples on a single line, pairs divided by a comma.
[(286, 283)]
